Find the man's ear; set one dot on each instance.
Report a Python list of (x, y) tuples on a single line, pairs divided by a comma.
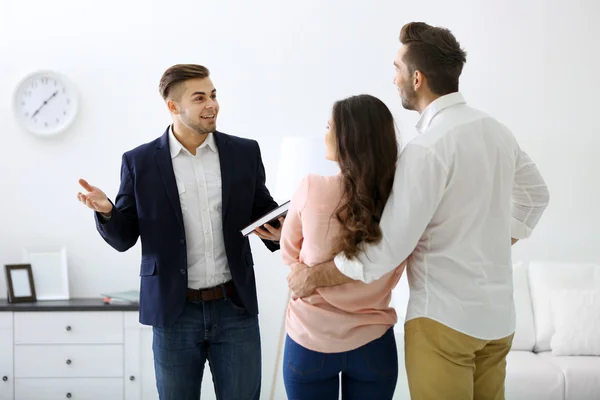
[(418, 80), (172, 106)]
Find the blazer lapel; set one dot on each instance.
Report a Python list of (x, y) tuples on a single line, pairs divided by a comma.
[(165, 166), (226, 159)]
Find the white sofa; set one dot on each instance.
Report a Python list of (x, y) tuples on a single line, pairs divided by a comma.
[(556, 348)]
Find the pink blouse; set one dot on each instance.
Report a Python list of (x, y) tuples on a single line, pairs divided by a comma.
[(338, 318)]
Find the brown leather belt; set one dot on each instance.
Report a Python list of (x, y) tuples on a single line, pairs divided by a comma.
[(214, 293)]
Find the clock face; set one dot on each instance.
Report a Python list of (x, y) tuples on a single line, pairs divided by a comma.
[(45, 103)]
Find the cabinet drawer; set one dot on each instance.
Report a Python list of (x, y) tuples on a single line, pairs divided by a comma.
[(76, 389), (5, 320), (68, 327), (64, 361), (6, 365)]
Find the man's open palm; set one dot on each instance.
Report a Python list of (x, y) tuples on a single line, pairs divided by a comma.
[(94, 198)]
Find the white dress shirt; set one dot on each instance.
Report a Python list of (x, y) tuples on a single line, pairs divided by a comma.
[(199, 185), (462, 189)]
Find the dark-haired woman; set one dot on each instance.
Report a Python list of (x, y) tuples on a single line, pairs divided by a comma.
[(344, 331)]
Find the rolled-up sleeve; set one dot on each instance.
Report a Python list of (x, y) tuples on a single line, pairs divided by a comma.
[(419, 184), (530, 197)]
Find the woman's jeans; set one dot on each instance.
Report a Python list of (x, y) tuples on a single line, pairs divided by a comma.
[(368, 372)]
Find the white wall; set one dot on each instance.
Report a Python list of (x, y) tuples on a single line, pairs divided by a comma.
[(278, 68)]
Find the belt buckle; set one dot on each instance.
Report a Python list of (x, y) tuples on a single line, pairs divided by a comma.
[(210, 294), (197, 295)]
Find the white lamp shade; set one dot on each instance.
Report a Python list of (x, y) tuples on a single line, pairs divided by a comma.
[(300, 156)]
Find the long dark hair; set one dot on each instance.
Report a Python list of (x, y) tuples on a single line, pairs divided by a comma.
[(367, 151)]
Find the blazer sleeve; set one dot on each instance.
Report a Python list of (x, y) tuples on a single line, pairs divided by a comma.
[(121, 229), (263, 202)]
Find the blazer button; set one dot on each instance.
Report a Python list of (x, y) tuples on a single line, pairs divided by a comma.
[(182, 241), (182, 271)]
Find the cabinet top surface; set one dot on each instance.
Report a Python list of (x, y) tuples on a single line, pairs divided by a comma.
[(93, 304)]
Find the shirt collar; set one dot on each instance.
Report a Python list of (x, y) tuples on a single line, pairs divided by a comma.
[(175, 146), (437, 106)]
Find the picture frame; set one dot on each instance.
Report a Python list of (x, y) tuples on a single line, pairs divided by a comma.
[(50, 271), (19, 283)]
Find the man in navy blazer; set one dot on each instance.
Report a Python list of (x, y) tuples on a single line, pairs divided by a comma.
[(187, 195)]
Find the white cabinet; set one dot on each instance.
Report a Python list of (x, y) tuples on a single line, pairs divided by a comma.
[(6, 357), (68, 327), (140, 381), (75, 351), (68, 361), (76, 389)]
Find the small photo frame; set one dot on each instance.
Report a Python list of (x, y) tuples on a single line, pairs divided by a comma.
[(50, 271), (19, 282)]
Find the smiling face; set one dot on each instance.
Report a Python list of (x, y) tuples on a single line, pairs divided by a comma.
[(194, 103)]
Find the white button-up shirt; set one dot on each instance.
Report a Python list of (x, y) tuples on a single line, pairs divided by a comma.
[(462, 189), (199, 185)]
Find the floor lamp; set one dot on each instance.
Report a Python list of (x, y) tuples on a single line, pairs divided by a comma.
[(298, 157)]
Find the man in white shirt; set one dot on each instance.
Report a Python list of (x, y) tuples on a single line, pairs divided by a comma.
[(463, 193), (187, 195)]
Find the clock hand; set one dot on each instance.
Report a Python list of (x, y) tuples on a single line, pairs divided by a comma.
[(45, 102)]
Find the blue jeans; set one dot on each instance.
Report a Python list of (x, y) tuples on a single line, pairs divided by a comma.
[(219, 331), (369, 372)]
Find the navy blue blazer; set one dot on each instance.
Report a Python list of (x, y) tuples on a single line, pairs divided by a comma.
[(147, 206)]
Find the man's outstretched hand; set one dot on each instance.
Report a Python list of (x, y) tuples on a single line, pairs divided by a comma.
[(94, 198)]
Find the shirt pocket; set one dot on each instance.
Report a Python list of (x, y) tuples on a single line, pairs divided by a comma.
[(180, 187)]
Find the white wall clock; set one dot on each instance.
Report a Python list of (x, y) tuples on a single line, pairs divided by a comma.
[(46, 103)]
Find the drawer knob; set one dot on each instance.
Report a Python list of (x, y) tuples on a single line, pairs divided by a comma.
[(132, 378), (68, 395), (5, 378), (68, 362), (68, 328)]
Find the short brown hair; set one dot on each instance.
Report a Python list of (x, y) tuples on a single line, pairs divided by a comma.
[(435, 52), (178, 74)]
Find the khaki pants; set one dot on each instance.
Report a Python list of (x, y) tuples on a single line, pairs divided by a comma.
[(442, 363)]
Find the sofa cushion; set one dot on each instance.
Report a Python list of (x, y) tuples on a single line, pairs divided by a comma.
[(530, 377), (581, 374), (547, 277), (525, 333), (576, 323)]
